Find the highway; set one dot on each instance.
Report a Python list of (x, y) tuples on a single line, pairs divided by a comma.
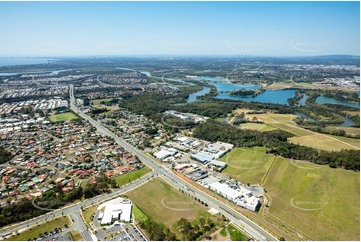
[(250, 227)]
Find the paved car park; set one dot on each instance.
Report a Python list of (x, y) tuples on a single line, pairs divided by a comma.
[(59, 235)]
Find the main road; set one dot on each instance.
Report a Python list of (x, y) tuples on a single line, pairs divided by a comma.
[(250, 227)]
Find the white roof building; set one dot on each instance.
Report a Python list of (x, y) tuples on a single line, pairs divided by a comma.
[(242, 196), (165, 153), (116, 210)]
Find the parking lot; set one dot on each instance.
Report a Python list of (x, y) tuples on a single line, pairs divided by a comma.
[(120, 232), (59, 235)]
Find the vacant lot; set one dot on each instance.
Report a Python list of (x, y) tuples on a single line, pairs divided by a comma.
[(63, 117), (247, 165), (76, 236), (97, 101), (292, 129), (40, 229), (302, 136), (348, 130), (129, 177), (256, 126), (88, 212), (139, 215), (325, 142), (321, 202), (166, 205)]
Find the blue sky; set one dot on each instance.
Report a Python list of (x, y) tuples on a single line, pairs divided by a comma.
[(179, 28)]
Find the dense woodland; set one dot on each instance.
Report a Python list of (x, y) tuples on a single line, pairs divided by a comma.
[(4, 155)]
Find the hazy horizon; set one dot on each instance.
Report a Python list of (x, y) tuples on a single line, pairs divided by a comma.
[(262, 29)]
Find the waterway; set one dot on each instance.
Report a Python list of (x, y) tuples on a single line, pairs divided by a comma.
[(346, 121), (302, 101), (193, 97), (12, 61), (269, 96), (31, 72), (147, 73), (331, 100)]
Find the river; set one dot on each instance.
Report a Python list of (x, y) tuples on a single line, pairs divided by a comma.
[(331, 100)]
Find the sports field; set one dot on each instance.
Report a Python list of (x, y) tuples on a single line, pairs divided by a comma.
[(247, 165), (63, 117), (321, 202), (166, 205)]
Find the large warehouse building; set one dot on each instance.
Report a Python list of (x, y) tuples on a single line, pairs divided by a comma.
[(242, 197)]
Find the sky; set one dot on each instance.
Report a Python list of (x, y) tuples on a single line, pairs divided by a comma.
[(179, 28)]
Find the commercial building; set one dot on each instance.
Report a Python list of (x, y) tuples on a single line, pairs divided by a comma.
[(239, 195), (202, 157), (116, 210), (165, 153), (218, 149), (218, 164)]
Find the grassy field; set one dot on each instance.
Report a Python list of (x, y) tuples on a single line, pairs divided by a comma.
[(88, 213), (166, 205), (139, 215), (348, 130), (63, 117), (321, 202), (325, 142), (247, 165), (97, 101), (235, 234), (256, 126), (129, 177), (302, 136), (40, 229), (305, 83), (292, 129), (354, 142), (76, 236)]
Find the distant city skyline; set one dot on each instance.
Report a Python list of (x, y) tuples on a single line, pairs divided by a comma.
[(179, 28)]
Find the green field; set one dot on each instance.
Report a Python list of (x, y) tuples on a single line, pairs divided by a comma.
[(63, 117), (129, 177), (326, 142), (166, 205), (235, 234), (322, 203), (292, 129), (247, 165), (139, 215), (97, 101), (257, 126), (303, 136), (76, 236), (88, 212), (348, 130), (40, 229), (305, 83)]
